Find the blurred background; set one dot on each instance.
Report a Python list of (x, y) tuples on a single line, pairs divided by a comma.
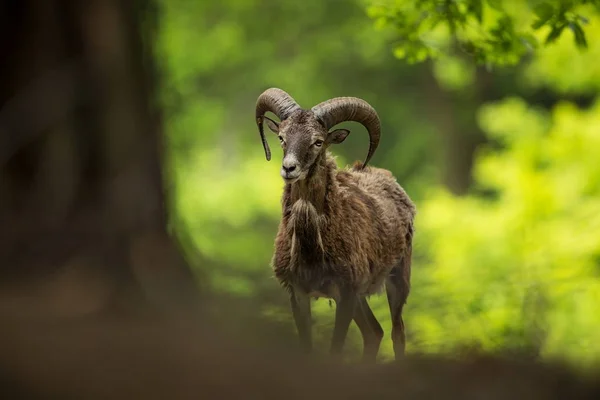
[(500, 157)]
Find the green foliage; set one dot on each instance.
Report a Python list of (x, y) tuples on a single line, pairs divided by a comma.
[(511, 264), (519, 268), (499, 32), (561, 67), (514, 264)]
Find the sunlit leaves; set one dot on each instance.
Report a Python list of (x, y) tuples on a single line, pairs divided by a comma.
[(499, 32), (539, 237), (488, 269), (558, 16), (563, 67), (453, 73), (580, 38)]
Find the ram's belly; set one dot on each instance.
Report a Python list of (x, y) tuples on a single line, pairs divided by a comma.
[(333, 291), (331, 294), (315, 283), (375, 285)]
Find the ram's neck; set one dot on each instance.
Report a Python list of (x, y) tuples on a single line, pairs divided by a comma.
[(305, 207), (314, 188)]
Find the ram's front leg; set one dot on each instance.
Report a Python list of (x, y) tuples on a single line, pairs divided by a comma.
[(302, 317), (344, 312)]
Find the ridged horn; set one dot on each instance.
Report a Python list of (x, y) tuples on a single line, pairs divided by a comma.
[(340, 109), (279, 103)]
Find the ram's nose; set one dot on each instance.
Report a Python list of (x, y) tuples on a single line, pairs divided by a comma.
[(290, 168)]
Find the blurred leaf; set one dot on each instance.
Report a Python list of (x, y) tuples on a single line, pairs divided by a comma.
[(495, 4), (530, 41), (453, 73), (579, 35), (476, 8), (555, 33), (544, 11), (538, 23)]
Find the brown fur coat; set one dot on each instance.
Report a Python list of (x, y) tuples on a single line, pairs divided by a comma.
[(347, 227)]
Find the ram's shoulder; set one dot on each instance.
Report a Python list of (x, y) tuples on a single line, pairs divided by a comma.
[(359, 167)]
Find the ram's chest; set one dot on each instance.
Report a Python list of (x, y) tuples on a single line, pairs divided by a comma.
[(306, 230), (300, 259)]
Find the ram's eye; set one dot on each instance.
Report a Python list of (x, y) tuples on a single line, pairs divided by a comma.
[(318, 143), (281, 140)]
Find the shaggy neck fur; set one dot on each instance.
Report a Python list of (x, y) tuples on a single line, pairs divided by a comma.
[(314, 187), (307, 202)]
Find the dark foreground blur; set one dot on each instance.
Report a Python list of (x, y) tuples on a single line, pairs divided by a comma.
[(171, 358), (155, 357)]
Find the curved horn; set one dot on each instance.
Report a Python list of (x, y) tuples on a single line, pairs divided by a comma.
[(340, 109), (279, 103)]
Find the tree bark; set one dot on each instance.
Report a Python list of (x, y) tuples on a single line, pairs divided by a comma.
[(82, 199), (459, 135)]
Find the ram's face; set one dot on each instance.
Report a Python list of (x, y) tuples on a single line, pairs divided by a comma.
[(303, 139)]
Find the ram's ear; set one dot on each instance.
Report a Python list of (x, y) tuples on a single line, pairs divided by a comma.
[(273, 126), (337, 136)]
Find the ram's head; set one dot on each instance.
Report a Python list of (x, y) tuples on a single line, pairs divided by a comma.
[(305, 134)]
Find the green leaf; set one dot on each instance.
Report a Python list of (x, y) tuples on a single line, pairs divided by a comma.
[(400, 52), (538, 23), (580, 39), (529, 40), (554, 33), (476, 8), (583, 19), (495, 4), (544, 11)]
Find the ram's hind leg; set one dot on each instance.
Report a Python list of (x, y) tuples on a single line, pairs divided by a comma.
[(370, 330), (397, 288)]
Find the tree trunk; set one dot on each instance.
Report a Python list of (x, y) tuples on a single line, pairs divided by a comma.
[(82, 204), (459, 134)]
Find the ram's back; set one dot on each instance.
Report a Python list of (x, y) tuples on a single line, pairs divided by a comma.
[(397, 209), (377, 217)]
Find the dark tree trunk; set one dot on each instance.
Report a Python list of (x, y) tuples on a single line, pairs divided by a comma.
[(459, 134), (82, 203)]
